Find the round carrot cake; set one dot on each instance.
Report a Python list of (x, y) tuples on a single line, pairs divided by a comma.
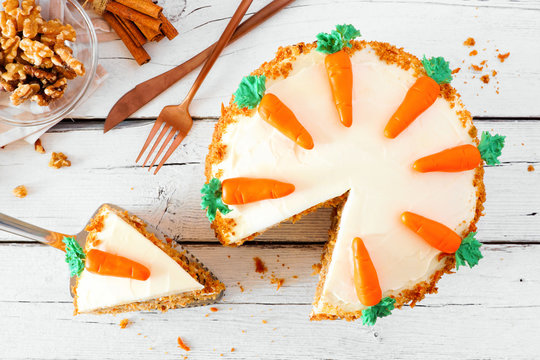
[(377, 134)]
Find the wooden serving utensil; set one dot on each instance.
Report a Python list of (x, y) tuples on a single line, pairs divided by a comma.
[(144, 92), (176, 119)]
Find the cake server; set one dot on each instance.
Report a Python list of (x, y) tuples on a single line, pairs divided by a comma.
[(54, 239), (143, 93)]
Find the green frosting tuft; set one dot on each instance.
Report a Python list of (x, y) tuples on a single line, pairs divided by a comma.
[(250, 91), (74, 256), (438, 69), (382, 309), (211, 199), (490, 147), (468, 252), (337, 39)]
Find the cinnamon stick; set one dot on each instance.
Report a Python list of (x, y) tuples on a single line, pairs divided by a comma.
[(132, 29), (133, 15), (150, 34), (139, 54), (167, 28), (145, 7)]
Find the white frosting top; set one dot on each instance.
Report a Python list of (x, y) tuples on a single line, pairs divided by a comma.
[(167, 277), (376, 171)]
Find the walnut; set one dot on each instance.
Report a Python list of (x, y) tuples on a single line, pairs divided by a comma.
[(20, 191), (8, 85), (35, 51), (28, 7), (23, 92), (14, 72), (38, 147), (41, 99), (57, 89), (11, 6), (54, 28), (65, 54), (7, 24), (65, 72), (39, 73), (10, 47), (59, 160)]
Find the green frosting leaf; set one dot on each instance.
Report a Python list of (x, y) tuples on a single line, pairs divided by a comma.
[(490, 147), (74, 256), (468, 252), (382, 309), (337, 39), (250, 91), (211, 199), (438, 69)]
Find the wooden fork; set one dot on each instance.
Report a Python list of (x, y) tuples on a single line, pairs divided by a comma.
[(176, 119)]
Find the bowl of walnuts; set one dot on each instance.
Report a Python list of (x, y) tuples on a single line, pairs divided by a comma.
[(46, 65)]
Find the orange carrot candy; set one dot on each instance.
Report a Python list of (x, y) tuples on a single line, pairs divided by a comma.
[(276, 113), (434, 233), (459, 158), (420, 96), (243, 190), (366, 281), (339, 68), (107, 264)]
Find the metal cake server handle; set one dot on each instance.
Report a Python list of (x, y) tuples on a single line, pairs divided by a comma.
[(33, 232)]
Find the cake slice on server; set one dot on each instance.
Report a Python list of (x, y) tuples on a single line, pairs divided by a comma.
[(375, 133), (124, 267)]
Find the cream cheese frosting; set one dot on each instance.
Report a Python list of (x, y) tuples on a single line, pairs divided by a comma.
[(375, 171), (118, 237)]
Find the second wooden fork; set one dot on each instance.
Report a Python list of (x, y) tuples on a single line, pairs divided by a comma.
[(176, 119)]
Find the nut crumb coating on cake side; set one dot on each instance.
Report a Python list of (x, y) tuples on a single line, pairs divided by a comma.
[(279, 68)]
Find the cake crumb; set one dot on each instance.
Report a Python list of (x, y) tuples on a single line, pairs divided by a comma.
[(260, 267), (494, 73), (456, 70), (316, 268), (38, 147), (233, 349), (265, 322), (240, 286), (473, 53), (20, 191), (124, 323), (278, 281), (503, 57), (59, 160), (530, 168), (295, 277), (469, 42), (182, 345), (476, 67), (214, 309), (485, 79)]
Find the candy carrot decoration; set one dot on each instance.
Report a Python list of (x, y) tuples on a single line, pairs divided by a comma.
[(104, 263), (420, 96), (277, 114), (435, 234), (243, 190), (459, 158), (339, 67), (339, 70), (366, 281)]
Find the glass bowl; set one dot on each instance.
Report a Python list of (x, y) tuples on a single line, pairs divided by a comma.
[(85, 49)]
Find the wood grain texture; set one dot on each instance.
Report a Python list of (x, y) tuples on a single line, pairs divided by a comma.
[(485, 312), (434, 28), (103, 170)]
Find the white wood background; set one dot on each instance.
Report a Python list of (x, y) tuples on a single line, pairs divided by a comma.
[(491, 311)]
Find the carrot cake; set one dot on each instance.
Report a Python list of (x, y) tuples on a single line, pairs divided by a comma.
[(124, 267), (372, 131)]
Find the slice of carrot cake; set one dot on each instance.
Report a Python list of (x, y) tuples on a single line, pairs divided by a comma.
[(124, 267)]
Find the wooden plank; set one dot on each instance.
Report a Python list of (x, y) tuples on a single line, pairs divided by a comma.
[(429, 27), (488, 312), (103, 170)]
